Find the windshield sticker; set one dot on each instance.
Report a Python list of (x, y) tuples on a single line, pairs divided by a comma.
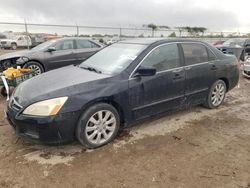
[(128, 57)]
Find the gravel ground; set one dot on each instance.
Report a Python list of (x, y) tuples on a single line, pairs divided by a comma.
[(195, 147)]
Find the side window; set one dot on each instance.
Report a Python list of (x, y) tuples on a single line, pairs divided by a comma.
[(194, 53), (247, 44), (65, 45), (85, 44), (163, 58), (211, 56), (94, 45)]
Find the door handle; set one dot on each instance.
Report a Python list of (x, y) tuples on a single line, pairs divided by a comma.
[(188, 68), (177, 77), (177, 74), (213, 67), (177, 70)]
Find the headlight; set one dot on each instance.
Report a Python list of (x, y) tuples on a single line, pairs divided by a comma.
[(22, 60), (46, 108)]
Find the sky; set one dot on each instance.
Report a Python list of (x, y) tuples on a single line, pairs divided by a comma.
[(216, 15)]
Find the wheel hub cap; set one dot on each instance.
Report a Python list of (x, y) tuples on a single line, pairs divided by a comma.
[(36, 69), (100, 127), (218, 94)]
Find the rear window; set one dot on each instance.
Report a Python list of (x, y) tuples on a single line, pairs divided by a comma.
[(86, 44), (194, 53), (211, 56)]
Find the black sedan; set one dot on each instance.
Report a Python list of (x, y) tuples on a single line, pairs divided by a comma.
[(119, 85), (52, 54)]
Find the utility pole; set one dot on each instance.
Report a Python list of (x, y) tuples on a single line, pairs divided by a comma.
[(77, 30), (26, 33), (120, 34)]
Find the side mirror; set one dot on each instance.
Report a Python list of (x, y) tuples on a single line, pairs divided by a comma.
[(51, 49), (145, 71)]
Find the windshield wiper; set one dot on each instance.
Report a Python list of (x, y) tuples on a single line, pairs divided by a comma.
[(91, 69)]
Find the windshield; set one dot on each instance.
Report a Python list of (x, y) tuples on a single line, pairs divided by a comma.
[(44, 45), (114, 59), (234, 42)]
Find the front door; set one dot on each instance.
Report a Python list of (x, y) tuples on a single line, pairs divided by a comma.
[(155, 94), (63, 56)]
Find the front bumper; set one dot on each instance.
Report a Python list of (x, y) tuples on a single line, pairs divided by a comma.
[(246, 70), (46, 130), (5, 45)]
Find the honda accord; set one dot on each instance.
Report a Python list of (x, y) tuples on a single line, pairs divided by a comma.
[(119, 85)]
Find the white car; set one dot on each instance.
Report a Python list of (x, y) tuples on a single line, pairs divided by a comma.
[(17, 41), (246, 68)]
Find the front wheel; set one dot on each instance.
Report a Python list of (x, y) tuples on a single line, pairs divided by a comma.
[(35, 66), (216, 94), (98, 125)]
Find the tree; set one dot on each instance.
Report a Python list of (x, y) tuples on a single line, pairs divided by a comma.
[(195, 31), (164, 27), (141, 36), (172, 35), (153, 27), (181, 29), (202, 30)]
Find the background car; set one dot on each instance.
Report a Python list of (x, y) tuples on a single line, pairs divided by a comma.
[(217, 42), (52, 54), (123, 83), (16, 42), (246, 68), (239, 47)]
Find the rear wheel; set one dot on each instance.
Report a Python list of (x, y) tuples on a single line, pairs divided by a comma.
[(13, 46), (35, 66), (98, 125), (216, 94)]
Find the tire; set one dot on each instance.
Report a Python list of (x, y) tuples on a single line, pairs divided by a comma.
[(92, 125), (3, 92), (216, 94), (37, 67), (13, 46)]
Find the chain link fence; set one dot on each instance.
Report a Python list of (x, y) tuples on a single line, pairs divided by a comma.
[(98, 32)]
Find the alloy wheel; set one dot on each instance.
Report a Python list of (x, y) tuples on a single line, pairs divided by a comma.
[(100, 127), (218, 94), (37, 70)]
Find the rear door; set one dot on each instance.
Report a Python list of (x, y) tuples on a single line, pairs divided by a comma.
[(84, 49), (63, 56), (165, 90), (200, 68)]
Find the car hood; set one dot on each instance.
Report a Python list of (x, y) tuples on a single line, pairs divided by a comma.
[(60, 82), (7, 40), (16, 54)]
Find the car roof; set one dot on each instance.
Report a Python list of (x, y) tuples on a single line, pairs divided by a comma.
[(149, 41), (65, 38)]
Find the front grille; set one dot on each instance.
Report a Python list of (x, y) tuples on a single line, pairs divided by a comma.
[(3, 42), (14, 104)]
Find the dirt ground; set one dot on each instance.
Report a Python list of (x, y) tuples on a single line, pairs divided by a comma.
[(191, 148)]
